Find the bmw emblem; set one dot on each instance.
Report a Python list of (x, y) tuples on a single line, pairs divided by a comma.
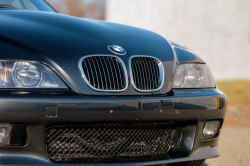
[(117, 49)]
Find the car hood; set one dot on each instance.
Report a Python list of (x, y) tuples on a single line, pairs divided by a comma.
[(61, 41)]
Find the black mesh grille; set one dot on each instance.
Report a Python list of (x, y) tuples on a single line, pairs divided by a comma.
[(116, 142), (146, 73), (104, 72)]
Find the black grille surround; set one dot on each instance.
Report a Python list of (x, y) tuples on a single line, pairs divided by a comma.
[(147, 73), (104, 73), (112, 142)]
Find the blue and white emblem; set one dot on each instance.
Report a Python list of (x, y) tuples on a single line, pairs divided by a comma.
[(117, 49)]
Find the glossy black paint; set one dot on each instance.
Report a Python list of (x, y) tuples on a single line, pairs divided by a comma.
[(59, 41), (72, 107), (184, 55), (30, 108)]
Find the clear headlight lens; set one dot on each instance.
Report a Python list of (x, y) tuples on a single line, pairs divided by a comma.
[(193, 76), (28, 75)]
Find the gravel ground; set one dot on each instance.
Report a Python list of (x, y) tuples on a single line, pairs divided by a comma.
[(234, 145)]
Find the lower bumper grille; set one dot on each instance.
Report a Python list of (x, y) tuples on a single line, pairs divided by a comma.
[(113, 142)]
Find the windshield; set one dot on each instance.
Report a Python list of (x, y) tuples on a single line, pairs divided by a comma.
[(40, 5)]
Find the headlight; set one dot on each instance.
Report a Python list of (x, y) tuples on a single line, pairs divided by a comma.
[(193, 76), (28, 75)]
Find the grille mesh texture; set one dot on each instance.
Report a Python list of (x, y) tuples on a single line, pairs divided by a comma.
[(104, 72), (145, 72), (115, 142)]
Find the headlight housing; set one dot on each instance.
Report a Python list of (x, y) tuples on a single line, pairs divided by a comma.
[(193, 75), (22, 74)]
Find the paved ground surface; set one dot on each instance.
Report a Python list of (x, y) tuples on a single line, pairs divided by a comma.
[(234, 147), (237, 117)]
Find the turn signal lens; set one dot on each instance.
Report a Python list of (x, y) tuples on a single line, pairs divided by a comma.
[(193, 76)]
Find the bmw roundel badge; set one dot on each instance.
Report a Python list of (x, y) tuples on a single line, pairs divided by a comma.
[(117, 49)]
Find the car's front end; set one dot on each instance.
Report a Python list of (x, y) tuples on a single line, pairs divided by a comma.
[(96, 93)]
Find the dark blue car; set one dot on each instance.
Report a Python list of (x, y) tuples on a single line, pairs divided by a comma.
[(77, 91)]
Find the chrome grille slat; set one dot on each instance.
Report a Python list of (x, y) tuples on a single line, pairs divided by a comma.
[(96, 78), (155, 73), (116, 75), (112, 73), (151, 74), (105, 77), (104, 73), (135, 70), (142, 71), (110, 82), (150, 80), (140, 83), (99, 74), (119, 73), (147, 73), (87, 71)]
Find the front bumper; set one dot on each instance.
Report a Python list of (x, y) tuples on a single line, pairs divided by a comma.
[(40, 109)]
